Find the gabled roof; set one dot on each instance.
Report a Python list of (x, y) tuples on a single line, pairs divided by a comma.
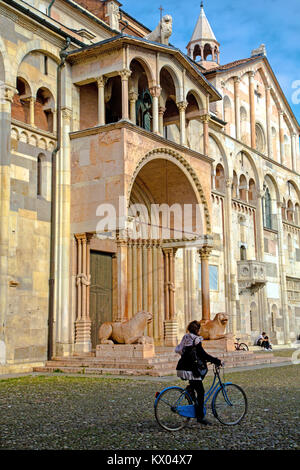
[(240, 63), (117, 41)]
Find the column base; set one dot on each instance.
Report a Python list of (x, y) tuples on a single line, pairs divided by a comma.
[(171, 332), (83, 336), (64, 349)]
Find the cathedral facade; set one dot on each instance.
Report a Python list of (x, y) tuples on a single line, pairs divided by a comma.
[(108, 136)]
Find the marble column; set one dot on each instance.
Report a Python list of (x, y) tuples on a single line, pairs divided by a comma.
[(6, 98), (63, 240), (129, 279), (282, 274), (268, 119), (182, 107), (252, 109), (155, 93), (205, 121), (281, 137), (161, 112), (101, 100), (31, 101), (171, 325), (293, 151), (132, 106), (237, 107), (122, 310), (83, 280), (125, 74), (204, 253)]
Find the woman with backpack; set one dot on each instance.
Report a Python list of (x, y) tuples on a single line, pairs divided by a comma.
[(192, 366)]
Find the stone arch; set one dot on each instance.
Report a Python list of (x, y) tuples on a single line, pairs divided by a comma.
[(175, 78), (253, 166), (222, 152), (274, 186), (196, 96), (36, 45), (147, 68), (185, 167)]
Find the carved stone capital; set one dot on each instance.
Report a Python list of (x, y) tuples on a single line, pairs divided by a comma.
[(101, 81), (205, 118), (7, 92), (182, 105), (205, 252), (133, 96), (67, 114), (155, 91), (125, 74)]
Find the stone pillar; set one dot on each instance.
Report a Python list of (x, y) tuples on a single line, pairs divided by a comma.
[(293, 151), (63, 243), (161, 112), (132, 106), (155, 93), (231, 278), (205, 121), (31, 100), (125, 74), (83, 280), (122, 311), (281, 137), (252, 109), (237, 108), (282, 274), (101, 100), (268, 118), (171, 325), (205, 252), (6, 98), (182, 107), (139, 274), (129, 279), (161, 310)]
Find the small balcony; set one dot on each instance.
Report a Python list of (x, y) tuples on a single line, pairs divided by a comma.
[(251, 276)]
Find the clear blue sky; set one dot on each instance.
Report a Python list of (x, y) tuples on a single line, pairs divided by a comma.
[(239, 26)]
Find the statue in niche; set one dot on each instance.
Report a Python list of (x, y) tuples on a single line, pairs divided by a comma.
[(143, 110)]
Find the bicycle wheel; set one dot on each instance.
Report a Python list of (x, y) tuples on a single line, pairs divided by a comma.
[(165, 408), (243, 347), (229, 404)]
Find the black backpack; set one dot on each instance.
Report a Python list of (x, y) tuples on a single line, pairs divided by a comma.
[(190, 361)]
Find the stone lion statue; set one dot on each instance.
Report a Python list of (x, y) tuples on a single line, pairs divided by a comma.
[(126, 332), (214, 329), (162, 32)]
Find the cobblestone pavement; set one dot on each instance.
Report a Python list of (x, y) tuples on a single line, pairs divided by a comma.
[(61, 412)]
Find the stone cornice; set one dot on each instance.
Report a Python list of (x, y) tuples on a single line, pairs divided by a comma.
[(123, 124)]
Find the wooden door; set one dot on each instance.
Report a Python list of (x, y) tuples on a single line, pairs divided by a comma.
[(100, 292)]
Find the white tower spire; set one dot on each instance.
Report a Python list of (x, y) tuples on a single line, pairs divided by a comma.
[(203, 44)]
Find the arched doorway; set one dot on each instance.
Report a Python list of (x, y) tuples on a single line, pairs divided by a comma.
[(166, 213)]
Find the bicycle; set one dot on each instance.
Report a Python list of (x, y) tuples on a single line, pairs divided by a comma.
[(240, 346), (174, 407)]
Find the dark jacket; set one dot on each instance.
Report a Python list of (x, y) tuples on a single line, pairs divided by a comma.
[(185, 362)]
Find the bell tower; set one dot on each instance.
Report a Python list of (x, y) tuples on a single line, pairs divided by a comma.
[(203, 46)]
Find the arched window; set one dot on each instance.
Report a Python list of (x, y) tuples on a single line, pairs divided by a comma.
[(244, 125), (234, 185), (251, 192), (290, 211), (220, 178), (227, 113), (297, 214), (243, 188), (260, 138), (267, 209)]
